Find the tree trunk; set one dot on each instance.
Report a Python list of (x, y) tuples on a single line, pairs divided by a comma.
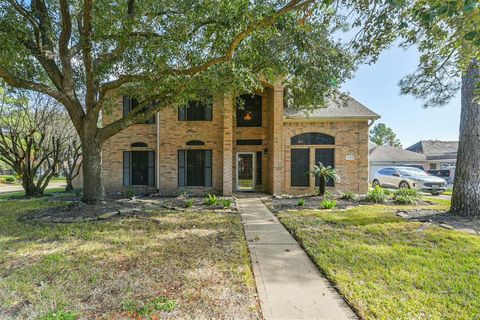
[(30, 187), (466, 188), (321, 187), (93, 190), (69, 187)]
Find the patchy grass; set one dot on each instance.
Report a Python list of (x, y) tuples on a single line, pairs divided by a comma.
[(390, 268), (163, 265)]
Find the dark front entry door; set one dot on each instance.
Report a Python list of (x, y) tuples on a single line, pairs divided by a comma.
[(139, 168)]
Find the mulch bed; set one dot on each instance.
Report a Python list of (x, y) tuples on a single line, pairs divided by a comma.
[(77, 211), (443, 219), (277, 204)]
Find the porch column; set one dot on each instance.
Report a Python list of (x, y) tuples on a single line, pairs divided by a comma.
[(227, 144), (276, 152)]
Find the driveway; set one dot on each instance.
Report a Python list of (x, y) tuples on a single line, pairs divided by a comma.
[(14, 188)]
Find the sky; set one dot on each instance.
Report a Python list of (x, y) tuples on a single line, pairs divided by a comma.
[(376, 86)]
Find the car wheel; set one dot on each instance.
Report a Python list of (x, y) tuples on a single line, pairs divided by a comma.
[(435, 193), (404, 185), (375, 183)]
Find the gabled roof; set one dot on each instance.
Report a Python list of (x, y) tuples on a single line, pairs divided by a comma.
[(436, 149), (335, 109), (394, 154)]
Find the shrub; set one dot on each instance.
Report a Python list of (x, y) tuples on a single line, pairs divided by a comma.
[(9, 179), (348, 195), (188, 203), (130, 193), (328, 195), (406, 192), (301, 202), (226, 203), (405, 200), (328, 204), (181, 193), (211, 200), (376, 195), (406, 196), (387, 192)]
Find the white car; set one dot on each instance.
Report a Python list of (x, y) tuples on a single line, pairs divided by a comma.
[(408, 177)]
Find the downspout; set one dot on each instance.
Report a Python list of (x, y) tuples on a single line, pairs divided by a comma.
[(157, 154)]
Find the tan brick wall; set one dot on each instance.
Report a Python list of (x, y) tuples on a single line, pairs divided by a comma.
[(220, 136), (351, 138), (112, 152)]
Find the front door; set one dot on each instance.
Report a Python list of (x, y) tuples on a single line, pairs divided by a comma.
[(246, 171), (139, 168)]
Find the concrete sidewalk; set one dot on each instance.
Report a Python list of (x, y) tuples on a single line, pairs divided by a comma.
[(289, 285)]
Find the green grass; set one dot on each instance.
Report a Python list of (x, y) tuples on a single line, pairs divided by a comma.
[(21, 194), (390, 268), (185, 263)]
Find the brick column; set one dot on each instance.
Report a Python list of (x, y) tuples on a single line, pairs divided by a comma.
[(227, 145), (276, 153)]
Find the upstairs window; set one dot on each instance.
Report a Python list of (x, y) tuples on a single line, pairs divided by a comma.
[(196, 111), (249, 111), (129, 104)]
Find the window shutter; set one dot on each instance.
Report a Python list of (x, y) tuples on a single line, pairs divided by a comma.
[(126, 168), (208, 168), (208, 112), (182, 113), (127, 105), (151, 168), (182, 168)]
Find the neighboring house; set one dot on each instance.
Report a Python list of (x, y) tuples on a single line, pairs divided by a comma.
[(440, 154), (388, 156), (222, 148)]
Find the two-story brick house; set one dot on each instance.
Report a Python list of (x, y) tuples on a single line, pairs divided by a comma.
[(225, 147)]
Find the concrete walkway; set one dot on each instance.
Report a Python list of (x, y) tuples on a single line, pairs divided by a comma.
[(289, 285), (14, 188)]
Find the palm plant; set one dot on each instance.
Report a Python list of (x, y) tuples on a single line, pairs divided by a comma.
[(324, 174)]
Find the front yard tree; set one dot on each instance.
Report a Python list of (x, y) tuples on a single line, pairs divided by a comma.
[(447, 35), (32, 135), (163, 53), (382, 135)]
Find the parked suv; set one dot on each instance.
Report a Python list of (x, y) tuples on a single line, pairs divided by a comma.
[(408, 177)]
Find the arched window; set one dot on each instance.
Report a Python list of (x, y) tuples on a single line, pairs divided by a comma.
[(195, 143), (312, 138), (139, 145)]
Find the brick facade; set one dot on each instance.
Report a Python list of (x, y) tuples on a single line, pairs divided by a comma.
[(220, 135)]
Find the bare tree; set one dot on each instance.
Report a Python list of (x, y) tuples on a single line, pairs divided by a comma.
[(32, 135), (71, 157)]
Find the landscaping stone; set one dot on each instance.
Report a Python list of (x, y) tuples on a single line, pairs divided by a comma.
[(446, 226)]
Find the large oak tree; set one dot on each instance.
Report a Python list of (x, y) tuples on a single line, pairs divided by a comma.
[(83, 52)]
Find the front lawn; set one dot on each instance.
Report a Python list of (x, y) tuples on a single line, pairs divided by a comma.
[(168, 265), (390, 268)]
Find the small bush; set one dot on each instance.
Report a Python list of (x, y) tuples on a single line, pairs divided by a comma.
[(405, 200), (130, 193), (189, 203), (348, 195), (406, 192), (328, 204), (406, 196), (301, 202), (376, 195), (9, 179), (226, 203), (387, 192), (211, 200)]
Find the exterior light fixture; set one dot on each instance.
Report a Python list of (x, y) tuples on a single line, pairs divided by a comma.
[(247, 116)]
